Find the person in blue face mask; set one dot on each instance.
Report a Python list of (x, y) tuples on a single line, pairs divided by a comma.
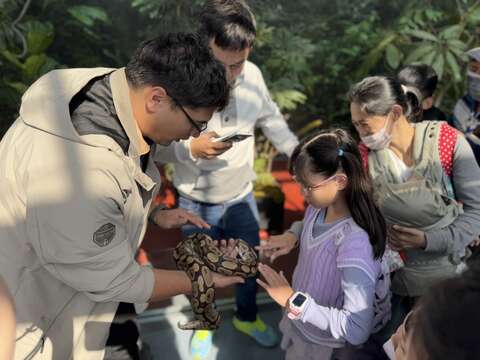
[(466, 114)]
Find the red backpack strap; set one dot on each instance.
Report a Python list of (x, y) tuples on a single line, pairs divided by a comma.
[(364, 154), (446, 147)]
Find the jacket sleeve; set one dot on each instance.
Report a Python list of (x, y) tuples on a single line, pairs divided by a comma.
[(466, 227), (77, 229), (273, 124), (354, 321), (176, 152)]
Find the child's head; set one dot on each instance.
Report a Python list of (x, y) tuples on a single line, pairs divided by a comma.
[(329, 168), (422, 77), (444, 322)]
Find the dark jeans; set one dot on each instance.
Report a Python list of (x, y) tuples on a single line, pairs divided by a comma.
[(238, 220)]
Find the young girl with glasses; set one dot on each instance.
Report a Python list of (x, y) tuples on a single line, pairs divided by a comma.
[(340, 290)]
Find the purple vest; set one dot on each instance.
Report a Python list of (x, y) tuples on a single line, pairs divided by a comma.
[(319, 269)]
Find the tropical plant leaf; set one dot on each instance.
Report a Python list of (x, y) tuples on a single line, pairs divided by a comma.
[(39, 36), (87, 15), (19, 87), (452, 32), (12, 59), (430, 58), (453, 64), (372, 58), (419, 53), (393, 56), (421, 34), (438, 65), (288, 99), (32, 66)]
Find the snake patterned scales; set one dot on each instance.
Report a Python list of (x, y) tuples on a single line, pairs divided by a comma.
[(198, 256)]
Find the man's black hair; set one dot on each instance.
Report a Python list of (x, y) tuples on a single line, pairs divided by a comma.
[(229, 22), (421, 76), (184, 66)]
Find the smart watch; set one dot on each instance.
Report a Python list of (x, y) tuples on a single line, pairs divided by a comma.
[(297, 304)]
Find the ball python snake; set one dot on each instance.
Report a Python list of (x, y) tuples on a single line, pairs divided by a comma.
[(198, 256)]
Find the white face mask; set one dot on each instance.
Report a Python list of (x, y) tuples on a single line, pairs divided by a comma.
[(473, 81), (379, 140)]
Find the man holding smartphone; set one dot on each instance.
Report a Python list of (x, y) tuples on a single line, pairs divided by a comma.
[(214, 178)]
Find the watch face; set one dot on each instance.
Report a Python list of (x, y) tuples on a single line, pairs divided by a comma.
[(299, 300)]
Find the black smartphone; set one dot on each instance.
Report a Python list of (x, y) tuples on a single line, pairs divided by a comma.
[(233, 138)]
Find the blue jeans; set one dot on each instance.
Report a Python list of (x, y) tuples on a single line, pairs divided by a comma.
[(238, 220)]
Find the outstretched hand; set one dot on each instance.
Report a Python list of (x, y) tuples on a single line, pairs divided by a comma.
[(276, 285), (228, 248), (222, 281), (277, 245), (175, 218)]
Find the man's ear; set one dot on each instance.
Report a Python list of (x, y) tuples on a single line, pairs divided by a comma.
[(156, 97)]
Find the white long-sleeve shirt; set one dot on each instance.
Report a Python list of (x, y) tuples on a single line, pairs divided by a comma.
[(230, 175)]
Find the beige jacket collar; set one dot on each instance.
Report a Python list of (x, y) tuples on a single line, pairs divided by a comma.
[(45, 106), (121, 100)]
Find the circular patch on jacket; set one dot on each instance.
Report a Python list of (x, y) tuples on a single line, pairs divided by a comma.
[(104, 235)]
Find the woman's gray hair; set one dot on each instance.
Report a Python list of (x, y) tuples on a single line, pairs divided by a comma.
[(376, 95)]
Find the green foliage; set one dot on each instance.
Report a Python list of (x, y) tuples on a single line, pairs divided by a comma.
[(310, 51)]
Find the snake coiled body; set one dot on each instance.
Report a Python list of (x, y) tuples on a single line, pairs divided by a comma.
[(198, 256)]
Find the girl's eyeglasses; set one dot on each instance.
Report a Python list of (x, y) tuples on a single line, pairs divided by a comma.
[(309, 188)]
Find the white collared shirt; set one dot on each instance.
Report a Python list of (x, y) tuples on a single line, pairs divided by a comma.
[(229, 176)]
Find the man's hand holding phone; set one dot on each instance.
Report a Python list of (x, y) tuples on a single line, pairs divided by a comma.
[(232, 138), (205, 146)]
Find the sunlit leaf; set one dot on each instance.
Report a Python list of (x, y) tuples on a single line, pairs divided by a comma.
[(393, 56), (12, 59), (33, 64), (87, 15), (438, 65), (452, 32), (419, 53), (423, 35), (453, 64), (288, 99), (39, 36)]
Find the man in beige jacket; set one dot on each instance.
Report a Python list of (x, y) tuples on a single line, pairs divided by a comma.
[(77, 184)]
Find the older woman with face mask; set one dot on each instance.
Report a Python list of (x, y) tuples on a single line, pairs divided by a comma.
[(427, 184)]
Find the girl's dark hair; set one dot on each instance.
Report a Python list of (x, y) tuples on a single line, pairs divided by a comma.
[(420, 76), (446, 318), (335, 150), (376, 95)]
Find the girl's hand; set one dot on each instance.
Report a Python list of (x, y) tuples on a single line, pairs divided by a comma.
[(277, 245), (276, 284), (403, 238), (227, 248)]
